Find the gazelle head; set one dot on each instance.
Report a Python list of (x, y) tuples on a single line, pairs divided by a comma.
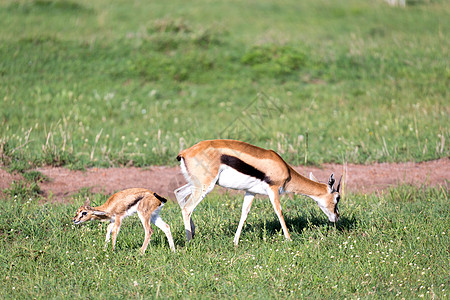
[(86, 213), (329, 201)]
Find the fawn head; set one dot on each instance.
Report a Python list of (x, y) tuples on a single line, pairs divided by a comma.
[(86, 213)]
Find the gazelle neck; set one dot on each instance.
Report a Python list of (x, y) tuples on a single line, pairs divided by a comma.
[(304, 186)]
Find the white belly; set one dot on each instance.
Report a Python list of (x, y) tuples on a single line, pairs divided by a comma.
[(132, 210), (230, 178)]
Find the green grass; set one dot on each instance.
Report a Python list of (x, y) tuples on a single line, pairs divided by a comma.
[(119, 83), (387, 246), (102, 83)]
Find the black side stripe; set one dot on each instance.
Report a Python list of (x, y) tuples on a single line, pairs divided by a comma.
[(162, 199), (139, 198), (244, 167)]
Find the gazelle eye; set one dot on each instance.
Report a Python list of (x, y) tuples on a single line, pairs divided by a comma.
[(84, 213)]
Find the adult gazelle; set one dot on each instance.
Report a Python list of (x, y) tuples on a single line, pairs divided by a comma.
[(238, 165)]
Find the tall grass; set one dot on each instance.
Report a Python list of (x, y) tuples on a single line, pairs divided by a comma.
[(129, 83), (386, 246)]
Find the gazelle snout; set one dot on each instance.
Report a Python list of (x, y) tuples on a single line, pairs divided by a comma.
[(76, 221), (329, 205), (332, 212), (81, 216), (333, 217)]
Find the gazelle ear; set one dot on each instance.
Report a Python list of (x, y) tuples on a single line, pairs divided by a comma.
[(331, 183), (98, 213), (87, 202), (312, 177)]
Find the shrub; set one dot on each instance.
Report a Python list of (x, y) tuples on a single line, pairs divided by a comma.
[(274, 59)]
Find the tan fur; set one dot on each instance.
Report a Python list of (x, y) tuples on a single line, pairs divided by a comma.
[(120, 205), (202, 163)]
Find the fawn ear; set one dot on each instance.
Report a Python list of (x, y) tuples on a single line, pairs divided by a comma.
[(312, 177), (98, 213), (87, 202)]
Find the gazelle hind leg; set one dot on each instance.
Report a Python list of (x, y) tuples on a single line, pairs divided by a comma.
[(248, 200), (197, 195), (182, 193), (156, 219), (192, 228), (275, 199), (187, 210), (148, 231)]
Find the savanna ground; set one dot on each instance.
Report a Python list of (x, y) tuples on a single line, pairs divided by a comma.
[(96, 96)]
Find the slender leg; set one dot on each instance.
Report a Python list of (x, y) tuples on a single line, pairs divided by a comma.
[(192, 228), (187, 223), (115, 231), (166, 229), (108, 233), (198, 194), (248, 200), (148, 231), (275, 199)]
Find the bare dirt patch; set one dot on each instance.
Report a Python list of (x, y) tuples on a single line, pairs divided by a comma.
[(378, 177)]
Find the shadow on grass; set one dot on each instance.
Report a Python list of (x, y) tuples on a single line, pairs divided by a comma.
[(296, 225), (263, 228)]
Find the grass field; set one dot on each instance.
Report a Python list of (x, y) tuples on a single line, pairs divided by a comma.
[(390, 246), (102, 83), (121, 83)]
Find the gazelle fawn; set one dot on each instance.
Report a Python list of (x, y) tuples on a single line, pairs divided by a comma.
[(238, 165), (125, 203)]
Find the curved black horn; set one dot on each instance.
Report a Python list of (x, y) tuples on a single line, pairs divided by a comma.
[(339, 184)]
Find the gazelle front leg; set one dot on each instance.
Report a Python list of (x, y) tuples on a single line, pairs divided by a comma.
[(115, 231), (274, 196), (108, 233), (248, 200)]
